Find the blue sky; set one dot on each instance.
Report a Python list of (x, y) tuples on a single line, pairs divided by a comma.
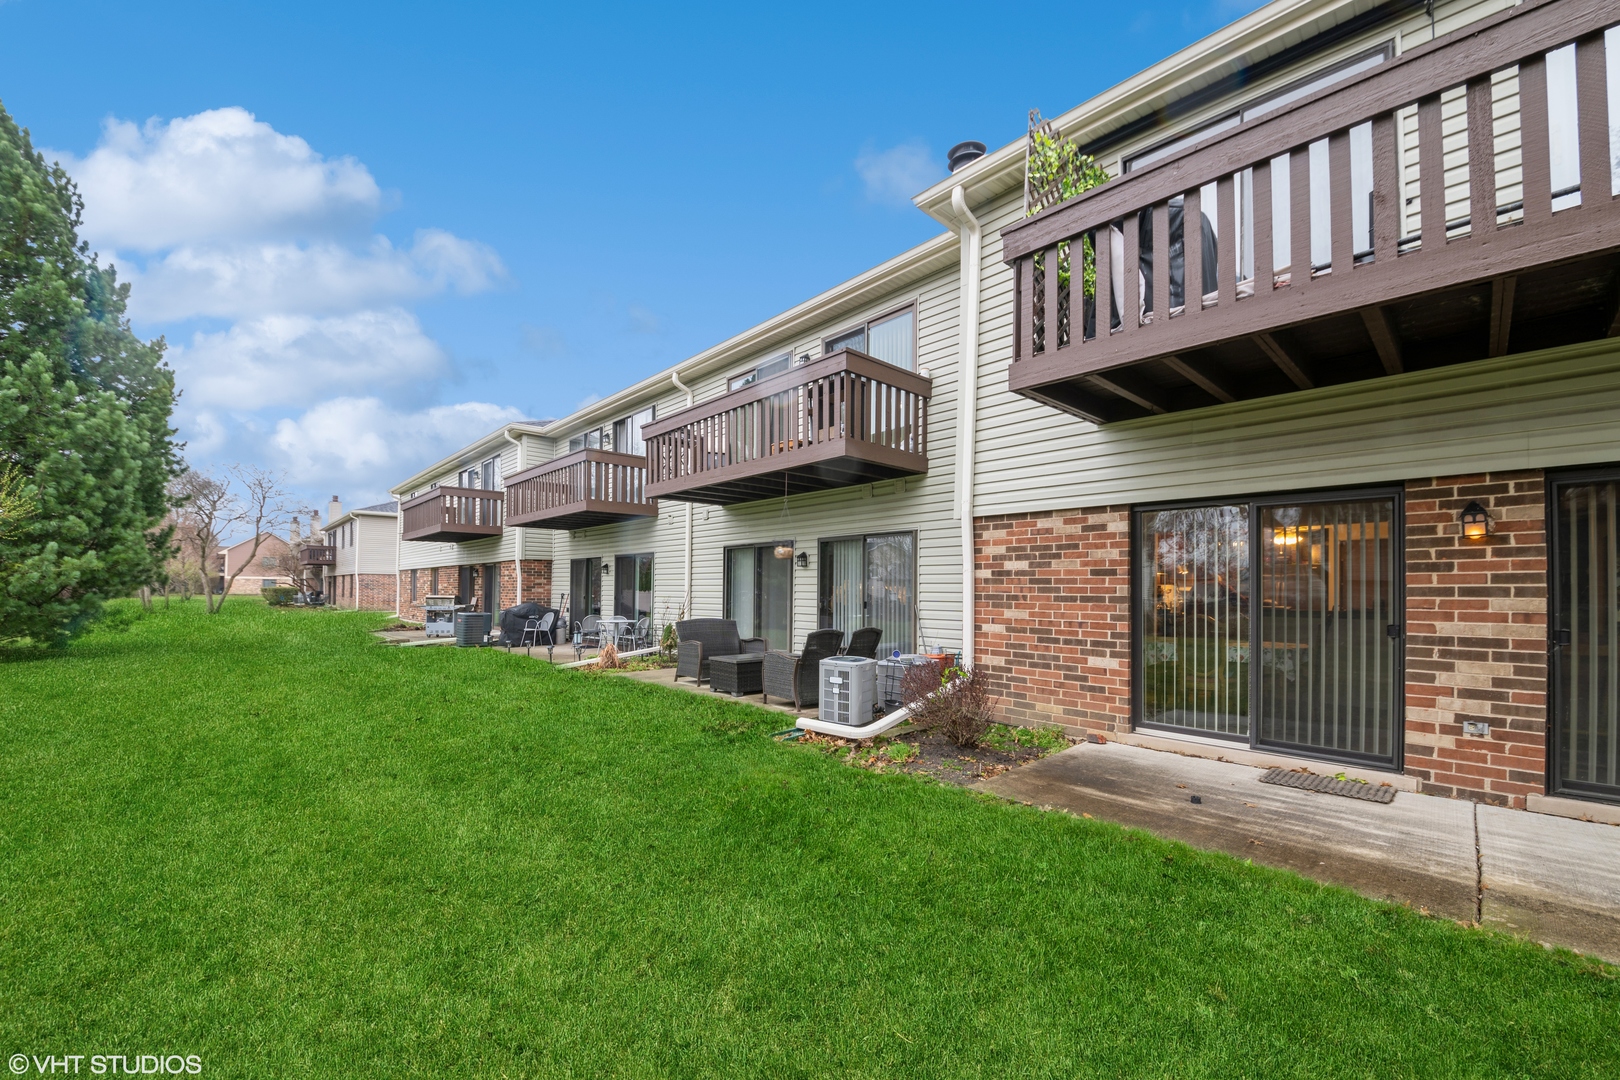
[(372, 232)]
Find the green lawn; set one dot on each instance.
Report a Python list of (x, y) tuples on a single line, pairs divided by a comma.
[(268, 840)]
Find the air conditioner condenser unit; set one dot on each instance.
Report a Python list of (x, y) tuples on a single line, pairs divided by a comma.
[(848, 690)]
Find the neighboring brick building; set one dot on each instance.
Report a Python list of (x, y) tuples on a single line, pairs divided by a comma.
[(469, 585), (259, 568)]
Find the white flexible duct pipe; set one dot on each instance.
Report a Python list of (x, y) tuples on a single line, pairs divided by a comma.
[(967, 421), (686, 605)]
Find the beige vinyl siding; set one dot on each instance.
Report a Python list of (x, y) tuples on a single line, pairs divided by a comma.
[(374, 552), (343, 560), (416, 554), (924, 505)]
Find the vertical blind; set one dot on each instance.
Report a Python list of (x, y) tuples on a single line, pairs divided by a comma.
[(1327, 600), (1285, 638), (1587, 606)]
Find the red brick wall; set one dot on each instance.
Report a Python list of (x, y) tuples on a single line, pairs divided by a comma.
[(536, 585), (1476, 637), (1053, 629), (376, 592), (1053, 623), (536, 582)]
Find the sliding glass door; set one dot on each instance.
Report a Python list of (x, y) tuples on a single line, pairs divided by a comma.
[(871, 581), (759, 593), (1328, 628), (633, 586), (585, 589), (1273, 623), (1194, 620), (1585, 618)]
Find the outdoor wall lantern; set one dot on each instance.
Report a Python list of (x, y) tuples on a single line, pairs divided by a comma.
[(607, 567), (803, 560), (1476, 523)]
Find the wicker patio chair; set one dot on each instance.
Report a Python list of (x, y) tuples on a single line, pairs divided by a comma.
[(864, 642), (701, 640), (797, 676)]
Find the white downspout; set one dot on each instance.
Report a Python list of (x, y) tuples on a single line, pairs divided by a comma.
[(522, 534), (967, 420), (686, 605), (399, 529)]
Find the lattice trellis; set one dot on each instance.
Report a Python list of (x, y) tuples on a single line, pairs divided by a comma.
[(1050, 193)]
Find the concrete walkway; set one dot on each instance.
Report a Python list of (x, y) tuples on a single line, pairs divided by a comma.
[(1554, 880)]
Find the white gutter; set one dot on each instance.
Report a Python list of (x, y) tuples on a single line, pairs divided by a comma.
[(967, 417), (686, 606), (399, 586)]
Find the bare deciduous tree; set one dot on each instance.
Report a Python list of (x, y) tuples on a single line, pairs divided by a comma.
[(210, 507)]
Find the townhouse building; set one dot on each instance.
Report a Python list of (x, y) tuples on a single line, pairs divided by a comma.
[(1296, 437), (358, 560)]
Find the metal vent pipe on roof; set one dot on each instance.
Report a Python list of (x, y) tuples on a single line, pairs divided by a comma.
[(964, 152)]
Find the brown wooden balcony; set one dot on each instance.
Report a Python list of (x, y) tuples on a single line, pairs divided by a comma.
[(453, 514), (580, 490), (317, 555), (842, 420), (1417, 274)]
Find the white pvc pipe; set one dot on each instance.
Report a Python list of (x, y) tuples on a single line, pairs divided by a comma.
[(844, 731), (686, 604), (967, 423)]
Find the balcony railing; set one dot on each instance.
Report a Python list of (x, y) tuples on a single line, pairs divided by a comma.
[(842, 420), (453, 514), (1408, 267), (580, 490), (317, 555)]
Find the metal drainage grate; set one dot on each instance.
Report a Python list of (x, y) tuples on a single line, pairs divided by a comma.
[(1352, 789)]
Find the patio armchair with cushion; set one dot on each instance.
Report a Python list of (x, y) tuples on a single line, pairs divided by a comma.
[(864, 642), (797, 676), (701, 640)]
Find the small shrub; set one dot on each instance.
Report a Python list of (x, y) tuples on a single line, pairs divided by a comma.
[(278, 595), (608, 659), (668, 641), (957, 702)]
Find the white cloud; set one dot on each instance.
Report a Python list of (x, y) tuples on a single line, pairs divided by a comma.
[(244, 281), (322, 370), (896, 174), (217, 176), (295, 360), (361, 442)]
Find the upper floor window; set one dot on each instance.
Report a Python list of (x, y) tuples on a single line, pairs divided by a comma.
[(623, 435), (1300, 88), (485, 476), (764, 370), (891, 338), (627, 432)]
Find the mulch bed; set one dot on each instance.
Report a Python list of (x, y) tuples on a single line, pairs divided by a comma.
[(930, 753)]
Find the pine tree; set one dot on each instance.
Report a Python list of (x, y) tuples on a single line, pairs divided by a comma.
[(84, 412)]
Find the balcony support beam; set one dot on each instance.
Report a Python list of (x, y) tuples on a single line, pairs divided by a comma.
[(1382, 331), (1502, 290), (1133, 389), (1279, 356), (1199, 378)]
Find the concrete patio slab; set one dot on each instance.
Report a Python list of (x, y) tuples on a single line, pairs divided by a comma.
[(666, 677), (1417, 849), (1551, 879)]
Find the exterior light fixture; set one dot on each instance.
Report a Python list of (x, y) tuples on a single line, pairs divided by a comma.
[(803, 560), (607, 567), (1476, 522)]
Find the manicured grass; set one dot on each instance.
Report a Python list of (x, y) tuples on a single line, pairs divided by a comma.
[(269, 840)]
